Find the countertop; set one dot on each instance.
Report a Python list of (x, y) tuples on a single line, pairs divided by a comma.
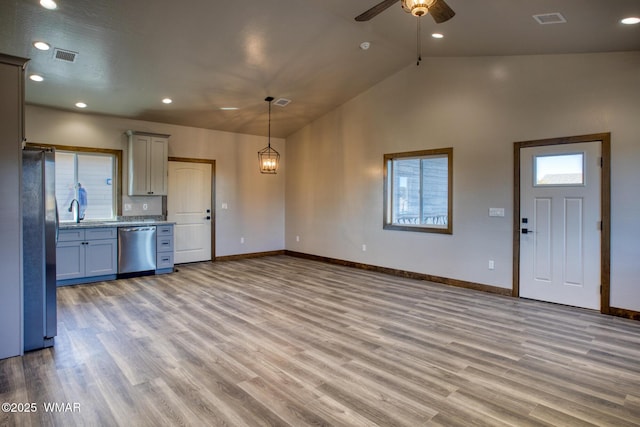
[(105, 224)]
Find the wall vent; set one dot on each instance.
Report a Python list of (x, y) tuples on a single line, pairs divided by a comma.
[(281, 102), (550, 18), (64, 55)]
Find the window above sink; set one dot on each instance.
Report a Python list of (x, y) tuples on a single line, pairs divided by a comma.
[(89, 179)]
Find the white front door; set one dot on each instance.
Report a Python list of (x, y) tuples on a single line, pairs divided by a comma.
[(189, 206), (560, 223)]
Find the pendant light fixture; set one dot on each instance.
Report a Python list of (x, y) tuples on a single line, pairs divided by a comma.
[(269, 158)]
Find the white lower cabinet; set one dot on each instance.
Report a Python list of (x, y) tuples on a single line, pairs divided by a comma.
[(86, 253)]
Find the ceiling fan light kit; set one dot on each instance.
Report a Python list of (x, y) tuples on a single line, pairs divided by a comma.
[(417, 7)]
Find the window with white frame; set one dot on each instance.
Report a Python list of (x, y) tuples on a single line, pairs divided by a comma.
[(418, 191), (90, 178)]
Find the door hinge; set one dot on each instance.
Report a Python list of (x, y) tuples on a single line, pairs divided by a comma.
[(601, 162), (600, 225)]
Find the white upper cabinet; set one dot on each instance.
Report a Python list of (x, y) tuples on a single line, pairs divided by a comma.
[(148, 163)]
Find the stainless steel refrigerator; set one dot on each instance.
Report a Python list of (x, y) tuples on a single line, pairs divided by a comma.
[(39, 235)]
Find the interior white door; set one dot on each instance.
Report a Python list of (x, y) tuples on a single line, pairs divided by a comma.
[(189, 206), (560, 223)]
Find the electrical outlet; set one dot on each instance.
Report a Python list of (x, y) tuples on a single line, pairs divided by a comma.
[(492, 265), (145, 206), (127, 206), (297, 238), (242, 240), (225, 206), (364, 248)]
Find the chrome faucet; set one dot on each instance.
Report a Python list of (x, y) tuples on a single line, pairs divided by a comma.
[(76, 214)]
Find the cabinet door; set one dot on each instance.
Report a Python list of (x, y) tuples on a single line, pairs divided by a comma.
[(148, 164), (70, 257), (158, 165), (101, 257), (138, 169)]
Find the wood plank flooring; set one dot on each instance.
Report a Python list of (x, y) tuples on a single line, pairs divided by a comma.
[(283, 341)]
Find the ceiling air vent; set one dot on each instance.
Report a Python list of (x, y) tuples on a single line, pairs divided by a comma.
[(550, 18), (64, 55), (281, 102)]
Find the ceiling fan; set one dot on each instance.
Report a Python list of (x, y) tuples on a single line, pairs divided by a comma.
[(438, 9)]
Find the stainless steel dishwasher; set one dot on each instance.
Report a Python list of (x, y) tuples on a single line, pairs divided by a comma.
[(136, 249)]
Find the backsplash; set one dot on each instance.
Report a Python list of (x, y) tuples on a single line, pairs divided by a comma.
[(141, 218), (141, 205)]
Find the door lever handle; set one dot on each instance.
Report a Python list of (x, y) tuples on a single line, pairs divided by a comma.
[(526, 231)]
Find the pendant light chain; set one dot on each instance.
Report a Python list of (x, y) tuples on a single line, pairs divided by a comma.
[(269, 134), (419, 43)]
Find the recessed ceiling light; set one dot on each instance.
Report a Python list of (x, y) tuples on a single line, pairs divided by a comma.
[(632, 20), (167, 101), (228, 108), (437, 35), (81, 105), (41, 45), (36, 77), (48, 4)]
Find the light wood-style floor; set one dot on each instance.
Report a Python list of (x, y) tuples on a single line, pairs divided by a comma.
[(286, 341)]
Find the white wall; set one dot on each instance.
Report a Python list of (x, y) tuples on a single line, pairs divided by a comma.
[(479, 106), (255, 201)]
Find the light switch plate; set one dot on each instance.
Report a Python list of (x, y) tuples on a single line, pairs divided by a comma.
[(496, 211)]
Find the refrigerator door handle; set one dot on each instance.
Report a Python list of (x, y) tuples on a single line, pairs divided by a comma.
[(57, 223)]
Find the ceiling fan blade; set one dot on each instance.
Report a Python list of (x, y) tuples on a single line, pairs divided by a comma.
[(441, 12), (375, 10)]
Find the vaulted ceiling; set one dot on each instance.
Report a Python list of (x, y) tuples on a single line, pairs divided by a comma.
[(210, 54)]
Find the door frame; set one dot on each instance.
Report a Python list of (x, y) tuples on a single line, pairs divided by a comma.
[(605, 209), (213, 197)]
